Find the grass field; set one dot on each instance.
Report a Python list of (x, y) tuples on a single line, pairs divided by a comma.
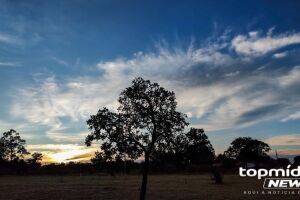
[(171, 187)]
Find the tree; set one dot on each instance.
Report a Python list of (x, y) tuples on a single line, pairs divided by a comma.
[(147, 120), (12, 147), (296, 161), (283, 162), (192, 147), (199, 149), (102, 161), (99, 159), (225, 161), (172, 152), (2, 150), (35, 159), (246, 149)]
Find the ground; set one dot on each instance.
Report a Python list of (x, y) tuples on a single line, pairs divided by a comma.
[(161, 187)]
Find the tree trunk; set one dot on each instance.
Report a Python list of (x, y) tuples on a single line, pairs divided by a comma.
[(145, 177), (11, 155)]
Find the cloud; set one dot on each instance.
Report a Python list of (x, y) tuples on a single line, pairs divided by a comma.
[(289, 139), (60, 61), (5, 126), (293, 116), (82, 157), (288, 152), (255, 45), (51, 100), (218, 90), (291, 78), (166, 61), (25, 129), (259, 113), (8, 39), (281, 54), (59, 106), (238, 110), (61, 136), (231, 74), (9, 64), (55, 148)]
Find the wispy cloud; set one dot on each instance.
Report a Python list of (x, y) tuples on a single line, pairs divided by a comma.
[(4, 126), (281, 54), (291, 78), (8, 39), (60, 61), (289, 139), (256, 45), (286, 145), (62, 136), (9, 64), (231, 74), (288, 152), (293, 116), (217, 89)]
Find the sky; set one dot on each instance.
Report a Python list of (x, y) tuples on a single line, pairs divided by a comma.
[(234, 67)]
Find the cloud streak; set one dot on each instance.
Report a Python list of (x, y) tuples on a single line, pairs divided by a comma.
[(287, 140), (8, 39), (9, 64), (255, 45)]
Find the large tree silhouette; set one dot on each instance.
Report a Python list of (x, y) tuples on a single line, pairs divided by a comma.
[(146, 121), (246, 149), (12, 146)]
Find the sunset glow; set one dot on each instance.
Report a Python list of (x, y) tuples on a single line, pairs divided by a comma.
[(64, 153), (232, 76)]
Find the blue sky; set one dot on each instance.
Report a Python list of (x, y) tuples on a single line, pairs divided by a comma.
[(234, 66)]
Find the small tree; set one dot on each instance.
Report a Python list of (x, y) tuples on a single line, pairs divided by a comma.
[(172, 152), (12, 146), (35, 159), (101, 161), (199, 149), (146, 120), (98, 159), (246, 149)]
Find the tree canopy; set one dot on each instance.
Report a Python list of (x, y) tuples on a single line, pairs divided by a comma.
[(146, 120), (246, 149), (35, 159), (12, 146), (192, 147), (199, 149)]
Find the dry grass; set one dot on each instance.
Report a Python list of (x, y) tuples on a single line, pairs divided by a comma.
[(162, 187)]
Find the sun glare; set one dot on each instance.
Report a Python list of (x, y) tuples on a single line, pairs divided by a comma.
[(67, 155)]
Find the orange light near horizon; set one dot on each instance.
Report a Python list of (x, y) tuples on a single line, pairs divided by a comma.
[(68, 156), (63, 156), (63, 153)]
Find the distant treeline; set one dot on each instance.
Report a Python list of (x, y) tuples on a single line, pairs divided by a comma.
[(194, 155)]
